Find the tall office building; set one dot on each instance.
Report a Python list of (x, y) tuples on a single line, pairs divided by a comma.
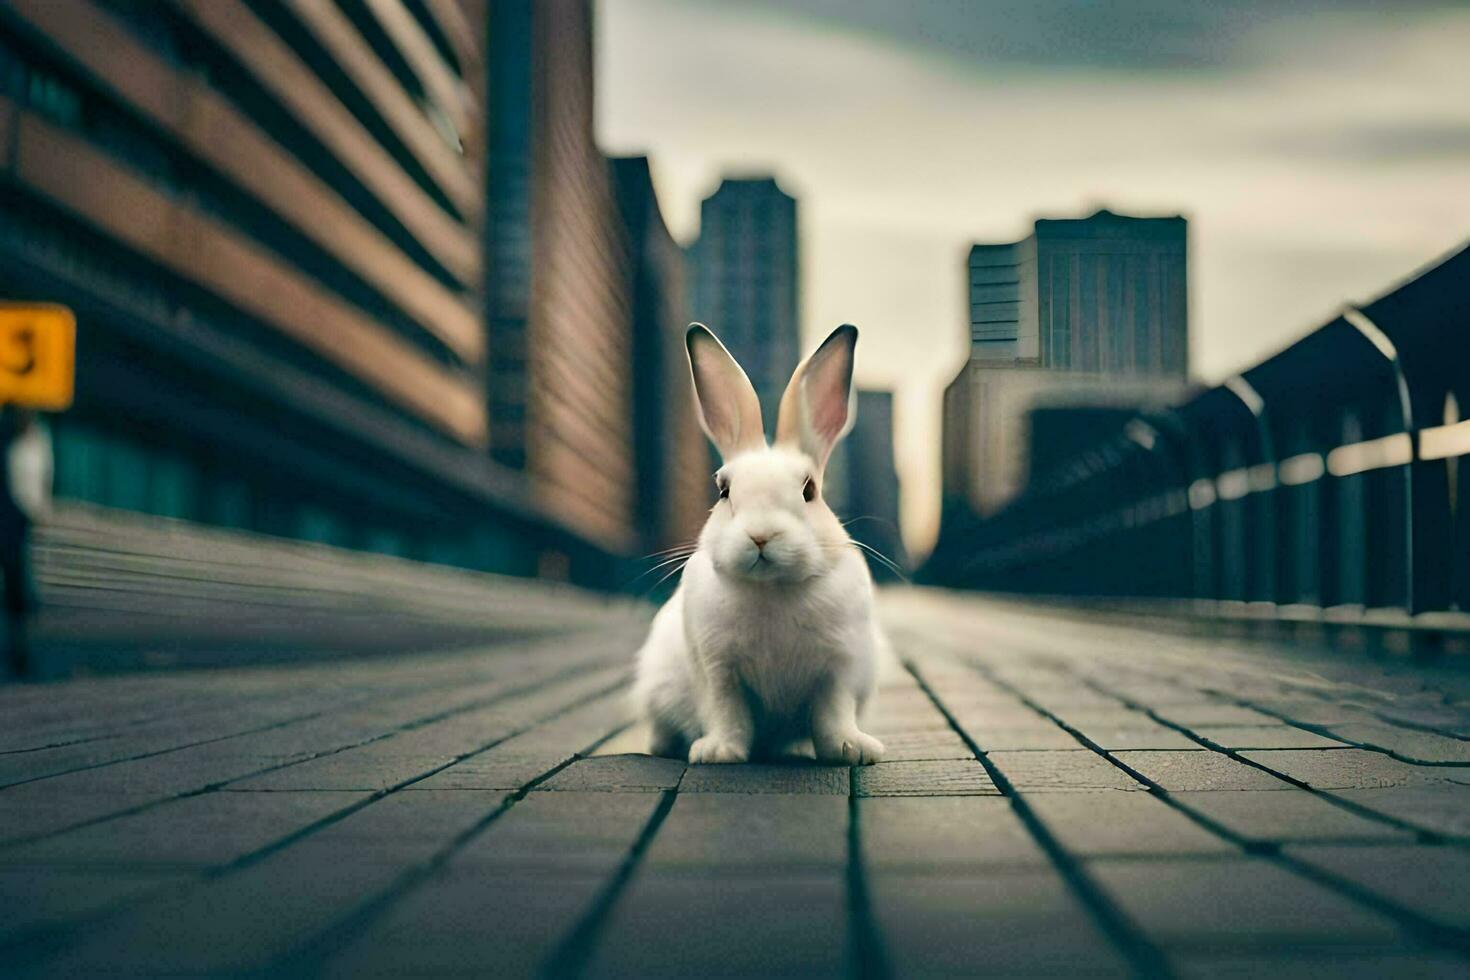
[(269, 220), (1104, 294), (862, 480), (674, 489), (747, 281), (1088, 315), (558, 307)]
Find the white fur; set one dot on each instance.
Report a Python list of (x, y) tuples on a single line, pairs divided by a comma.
[(761, 646)]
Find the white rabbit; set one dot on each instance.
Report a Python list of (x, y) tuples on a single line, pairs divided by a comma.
[(770, 637)]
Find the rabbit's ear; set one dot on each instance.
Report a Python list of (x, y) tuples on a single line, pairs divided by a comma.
[(729, 411), (817, 408)]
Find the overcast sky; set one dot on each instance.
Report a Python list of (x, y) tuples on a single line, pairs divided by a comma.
[(1320, 150)]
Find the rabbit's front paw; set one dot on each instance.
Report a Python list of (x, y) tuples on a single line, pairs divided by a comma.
[(717, 749), (850, 748)]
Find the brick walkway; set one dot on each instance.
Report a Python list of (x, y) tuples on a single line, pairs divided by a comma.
[(1064, 796)]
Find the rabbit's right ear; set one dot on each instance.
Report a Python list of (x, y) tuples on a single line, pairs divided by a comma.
[(729, 411)]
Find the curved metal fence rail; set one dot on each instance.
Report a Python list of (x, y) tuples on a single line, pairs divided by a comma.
[(1328, 476)]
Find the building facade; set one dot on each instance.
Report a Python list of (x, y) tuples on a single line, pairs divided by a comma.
[(1104, 294), (270, 221), (862, 484), (673, 462), (559, 310), (747, 276), (1086, 313)]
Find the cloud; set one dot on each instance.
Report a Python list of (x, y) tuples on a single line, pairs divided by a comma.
[(1325, 163), (1407, 142), (1143, 35)]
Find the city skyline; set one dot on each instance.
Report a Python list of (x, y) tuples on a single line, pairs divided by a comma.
[(747, 275), (1305, 186)]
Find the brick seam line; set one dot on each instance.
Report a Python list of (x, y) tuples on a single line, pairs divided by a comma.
[(571, 954), (45, 939), (1430, 932), (210, 701), (370, 695), (1327, 732), (1404, 724), (359, 702), (1146, 958), (61, 745), (867, 949), (310, 956), (1421, 834), (221, 784)]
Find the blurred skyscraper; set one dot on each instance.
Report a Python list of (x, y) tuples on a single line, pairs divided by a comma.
[(558, 304), (1070, 326), (1103, 294), (673, 461), (862, 480), (747, 281)]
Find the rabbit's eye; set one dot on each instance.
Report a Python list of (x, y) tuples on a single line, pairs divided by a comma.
[(809, 490), (724, 488)]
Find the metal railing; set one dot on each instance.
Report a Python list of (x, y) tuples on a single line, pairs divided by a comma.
[(1326, 476)]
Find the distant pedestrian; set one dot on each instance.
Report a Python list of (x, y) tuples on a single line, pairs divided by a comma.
[(25, 497)]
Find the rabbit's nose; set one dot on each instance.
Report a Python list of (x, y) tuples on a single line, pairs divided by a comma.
[(760, 541)]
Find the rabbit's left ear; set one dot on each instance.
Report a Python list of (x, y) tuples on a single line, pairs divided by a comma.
[(817, 408)]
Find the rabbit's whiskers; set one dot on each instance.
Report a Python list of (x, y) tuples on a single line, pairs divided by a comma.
[(878, 555)]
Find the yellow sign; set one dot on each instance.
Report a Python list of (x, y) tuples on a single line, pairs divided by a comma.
[(37, 355)]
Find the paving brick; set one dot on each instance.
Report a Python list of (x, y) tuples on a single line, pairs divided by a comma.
[(727, 833), (1443, 809), (1214, 715), (21, 766), (889, 720), (757, 778), (1200, 770), (1070, 695), (33, 810), (507, 925), (369, 768), (1105, 824), (1031, 738), (238, 923), (1039, 772), (1018, 924), (1339, 965), (1345, 768), (617, 774), (990, 716), (1408, 745), (37, 898), (1265, 737), (1132, 737), (954, 777), (559, 833), (692, 926), (1313, 712), (495, 770), (1433, 882), (171, 774), (1155, 694), (921, 746), (1430, 711), (1294, 816), (210, 829), (1236, 902), (406, 827), (945, 833)]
